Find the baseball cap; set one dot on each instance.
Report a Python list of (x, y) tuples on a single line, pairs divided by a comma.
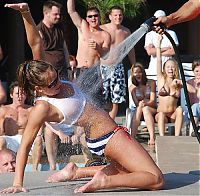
[(159, 13)]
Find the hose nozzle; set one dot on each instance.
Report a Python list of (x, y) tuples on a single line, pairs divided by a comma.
[(149, 23)]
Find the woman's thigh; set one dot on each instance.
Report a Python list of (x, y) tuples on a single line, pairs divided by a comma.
[(128, 153), (174, 114), (157, 117)]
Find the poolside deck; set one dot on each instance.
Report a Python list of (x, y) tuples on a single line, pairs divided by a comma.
[(178, 158)]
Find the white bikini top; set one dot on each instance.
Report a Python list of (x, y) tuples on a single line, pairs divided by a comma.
[(71, 107)]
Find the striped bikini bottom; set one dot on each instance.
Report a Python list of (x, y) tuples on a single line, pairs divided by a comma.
[(97, 146)]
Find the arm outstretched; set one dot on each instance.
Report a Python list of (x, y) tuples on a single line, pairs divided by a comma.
[(33, 36), (159, 57)]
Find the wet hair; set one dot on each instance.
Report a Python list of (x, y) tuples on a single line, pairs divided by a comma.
[(195, 63), (115, 7), (144, 77), (31, 74), (49, 4), (176, 74), (92, 9), (12, 86)]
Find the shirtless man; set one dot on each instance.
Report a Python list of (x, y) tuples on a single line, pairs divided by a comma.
[(93, 42), (13, 119), (118, 33)]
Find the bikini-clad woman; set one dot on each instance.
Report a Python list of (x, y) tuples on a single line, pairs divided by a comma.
[(62, 102), (143, 92), (169, 90)]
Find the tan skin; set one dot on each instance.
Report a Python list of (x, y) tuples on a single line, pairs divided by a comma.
[(189, 11), (13, 117), (93, 42), (167, 107), (145, 106), (133, 168)]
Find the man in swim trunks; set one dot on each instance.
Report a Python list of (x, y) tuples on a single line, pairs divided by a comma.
[(114, 85)]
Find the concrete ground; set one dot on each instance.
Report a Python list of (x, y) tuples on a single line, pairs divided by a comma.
[(178, 158)]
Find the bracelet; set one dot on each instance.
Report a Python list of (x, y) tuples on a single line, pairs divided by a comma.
[(25, 11)]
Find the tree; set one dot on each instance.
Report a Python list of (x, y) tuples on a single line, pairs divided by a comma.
[(131, 7)]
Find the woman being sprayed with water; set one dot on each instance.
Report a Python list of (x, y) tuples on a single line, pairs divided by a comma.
[(62, 102), (169, 89)]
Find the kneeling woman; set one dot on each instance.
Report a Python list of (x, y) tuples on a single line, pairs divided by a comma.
[(62, 102)]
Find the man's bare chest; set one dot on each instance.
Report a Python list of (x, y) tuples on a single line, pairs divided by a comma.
[(16, 118)]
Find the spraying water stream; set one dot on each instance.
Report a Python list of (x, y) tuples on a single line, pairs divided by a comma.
[(91, 83), (118, 53)]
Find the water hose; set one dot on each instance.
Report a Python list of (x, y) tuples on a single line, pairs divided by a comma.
[(195, 127), (149, 23)]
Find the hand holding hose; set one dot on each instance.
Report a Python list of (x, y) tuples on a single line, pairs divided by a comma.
[(160, 24)]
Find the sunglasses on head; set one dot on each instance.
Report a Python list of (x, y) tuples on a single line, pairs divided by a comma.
[(54, 82), (95, 15)]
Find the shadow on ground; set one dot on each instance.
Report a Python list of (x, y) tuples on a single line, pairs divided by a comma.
[(177, 180)]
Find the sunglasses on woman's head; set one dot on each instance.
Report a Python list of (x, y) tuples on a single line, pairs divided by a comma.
[(54, 82)]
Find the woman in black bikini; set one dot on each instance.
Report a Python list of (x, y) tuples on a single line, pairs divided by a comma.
[(169, 89)]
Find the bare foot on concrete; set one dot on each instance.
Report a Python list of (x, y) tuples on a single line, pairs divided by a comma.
[(67, 173), (99, 181)]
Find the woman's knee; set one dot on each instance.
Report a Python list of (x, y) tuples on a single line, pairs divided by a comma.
[(145, 110), (159, 182)]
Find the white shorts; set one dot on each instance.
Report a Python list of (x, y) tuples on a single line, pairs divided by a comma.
[(13, 142)]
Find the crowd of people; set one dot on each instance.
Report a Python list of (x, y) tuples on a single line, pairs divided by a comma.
[(62, 109)]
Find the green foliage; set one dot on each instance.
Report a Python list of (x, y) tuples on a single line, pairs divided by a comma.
[(131, 7)]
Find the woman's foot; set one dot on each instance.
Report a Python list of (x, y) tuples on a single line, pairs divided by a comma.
[(67, 173), (99, 181)]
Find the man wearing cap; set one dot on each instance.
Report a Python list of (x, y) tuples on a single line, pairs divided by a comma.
[(166, 46)]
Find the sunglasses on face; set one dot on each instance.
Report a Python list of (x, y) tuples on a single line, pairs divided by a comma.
[(95, 16), (54, 82)]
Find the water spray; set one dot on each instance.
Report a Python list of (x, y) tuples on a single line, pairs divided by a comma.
[(148, 24), (91, 82)]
